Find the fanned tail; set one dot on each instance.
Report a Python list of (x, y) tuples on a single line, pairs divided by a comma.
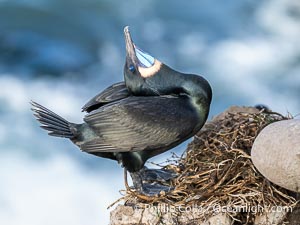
[(53, 123)]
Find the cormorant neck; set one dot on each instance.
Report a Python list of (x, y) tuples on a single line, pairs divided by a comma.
[(168, 81), (195, 86), (199, 91)]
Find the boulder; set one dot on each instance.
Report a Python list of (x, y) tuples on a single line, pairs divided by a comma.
[(276, 153)]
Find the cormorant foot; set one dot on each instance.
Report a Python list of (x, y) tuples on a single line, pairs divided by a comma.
[(155, 189), (147, 188), (157, 175)]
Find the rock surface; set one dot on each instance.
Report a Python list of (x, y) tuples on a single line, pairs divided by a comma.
[(276, 153), (128, 215), (270, 218)]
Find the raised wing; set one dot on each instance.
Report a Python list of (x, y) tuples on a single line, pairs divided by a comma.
[(113, 93), (141, 123)]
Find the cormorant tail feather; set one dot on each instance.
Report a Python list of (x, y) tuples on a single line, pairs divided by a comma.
[(53, 123)]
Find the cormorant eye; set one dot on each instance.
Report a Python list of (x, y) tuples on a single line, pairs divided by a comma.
[(131, 68)]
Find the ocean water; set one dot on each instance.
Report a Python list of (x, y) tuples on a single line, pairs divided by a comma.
[(62, 53)]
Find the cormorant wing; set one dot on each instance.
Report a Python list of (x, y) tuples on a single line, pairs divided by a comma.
[(113, 93), (141, 123)]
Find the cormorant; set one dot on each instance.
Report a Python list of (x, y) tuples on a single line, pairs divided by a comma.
[(156, 109)]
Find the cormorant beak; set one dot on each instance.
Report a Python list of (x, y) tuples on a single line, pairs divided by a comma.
[(137, 59)]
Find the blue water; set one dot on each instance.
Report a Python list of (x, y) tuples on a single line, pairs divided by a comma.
[(60, 53)]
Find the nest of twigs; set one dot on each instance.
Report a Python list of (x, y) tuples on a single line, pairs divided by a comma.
[(216, 169)]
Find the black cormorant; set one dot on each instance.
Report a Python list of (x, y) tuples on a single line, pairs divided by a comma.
[(156, 109)]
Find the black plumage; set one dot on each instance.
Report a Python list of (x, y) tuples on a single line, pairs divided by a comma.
[(155, 109), (113, 93)]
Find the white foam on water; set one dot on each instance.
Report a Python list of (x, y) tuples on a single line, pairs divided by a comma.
[(59, 96), (259, 67), (53, 191)]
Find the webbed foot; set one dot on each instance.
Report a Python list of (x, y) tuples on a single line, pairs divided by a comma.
[(146, 181), (155, 189), (157, 175)]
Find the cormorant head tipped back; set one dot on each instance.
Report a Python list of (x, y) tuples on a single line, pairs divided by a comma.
[(145, 75), (138, 62)]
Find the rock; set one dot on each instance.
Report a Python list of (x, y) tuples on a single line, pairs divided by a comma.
[(276, 153), (220, 219), (270, 218), (293, 217), (128, 215)]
